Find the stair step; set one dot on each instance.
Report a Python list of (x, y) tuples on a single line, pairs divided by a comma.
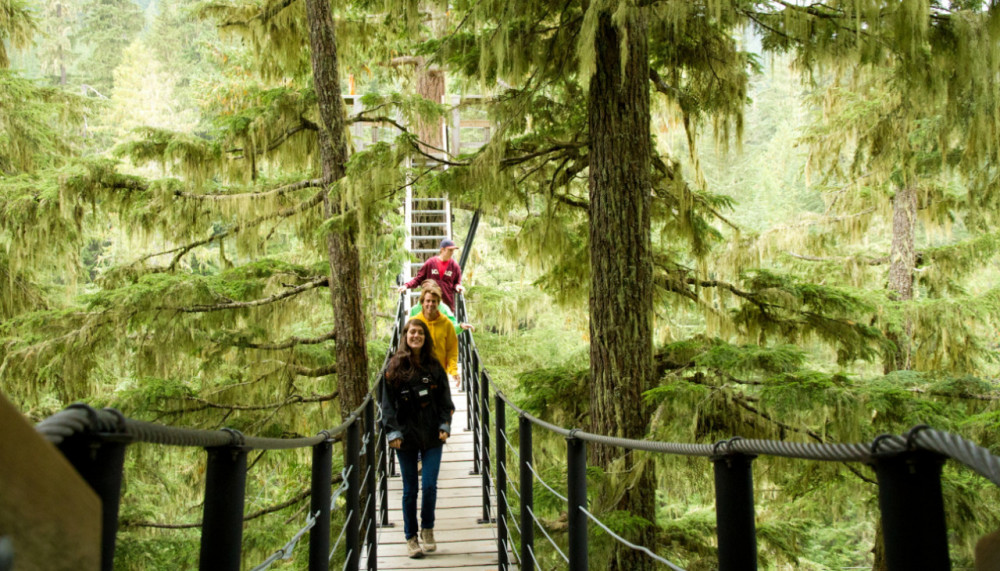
[(442, 237), (421, 250), (428, 212), (427, 199), (428, 224)]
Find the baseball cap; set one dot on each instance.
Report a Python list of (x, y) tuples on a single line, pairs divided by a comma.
[(446, 243)]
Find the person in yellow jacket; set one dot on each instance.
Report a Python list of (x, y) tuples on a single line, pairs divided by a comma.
[(442, 331)]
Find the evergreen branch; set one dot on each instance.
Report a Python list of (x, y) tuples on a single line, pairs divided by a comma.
[(962, 395), (314, 283), (284, 213), (825, 220), (314, 183), (414, 142), (205, 404), (513, 161), (661, 166), (337, 479), (317, 372), (743, 403), (843, 260), (288, 344), (305, 125)]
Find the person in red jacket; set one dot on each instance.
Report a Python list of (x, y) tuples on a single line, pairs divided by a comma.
[(444, 270)]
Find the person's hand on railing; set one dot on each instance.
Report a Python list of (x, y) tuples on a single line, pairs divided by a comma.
[(460, 288), (401, 289), (443, 436), (396, 443), (468, 327)]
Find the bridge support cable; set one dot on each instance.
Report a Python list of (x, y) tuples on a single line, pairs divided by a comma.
[(467, 246), (99, 458), (912, 508), (319, 503), (222, 522), (734, 512)]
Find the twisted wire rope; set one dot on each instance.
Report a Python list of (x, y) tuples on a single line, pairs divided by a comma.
[(340, 537), (544, 483), (628, 543), (286, 551), (547, 536)]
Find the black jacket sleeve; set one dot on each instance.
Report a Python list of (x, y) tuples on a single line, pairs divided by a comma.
[(390, 416), (445, 406)]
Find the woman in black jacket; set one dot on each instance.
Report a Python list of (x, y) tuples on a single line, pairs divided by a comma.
[(416, 414)]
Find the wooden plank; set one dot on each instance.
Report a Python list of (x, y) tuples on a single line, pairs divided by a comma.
[(466, 512), (52, 516), (438, 561), (480, 533), (440, 524), (444, 548)]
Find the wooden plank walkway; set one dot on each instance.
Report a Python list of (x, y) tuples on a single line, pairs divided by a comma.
[(463, 544)]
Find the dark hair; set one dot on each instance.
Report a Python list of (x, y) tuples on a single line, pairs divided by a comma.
[(401, 364)]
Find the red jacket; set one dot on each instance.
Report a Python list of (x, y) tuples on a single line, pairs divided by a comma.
[(446, 274)]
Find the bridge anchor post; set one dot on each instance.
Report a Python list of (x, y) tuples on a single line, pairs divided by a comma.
[(734, 512)]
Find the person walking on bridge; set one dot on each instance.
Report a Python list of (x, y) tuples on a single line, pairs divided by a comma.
[(416, 415), (444, 270), (442, 330)]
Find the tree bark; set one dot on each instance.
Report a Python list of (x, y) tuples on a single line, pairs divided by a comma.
[(621, 353), (342, 250), (903, 261)]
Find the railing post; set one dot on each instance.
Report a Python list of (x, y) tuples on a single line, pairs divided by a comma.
[(484, 441), (99, 459), (576, 470), (501, 432), (383, 467), (369, 521), (912, 507), (527, 494), (6, 554), (353, 521), (222, 521), (734, 512), (319, 505), (474, 424)]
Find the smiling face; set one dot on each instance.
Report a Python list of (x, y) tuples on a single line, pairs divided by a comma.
[(415, 337), (429, 303)]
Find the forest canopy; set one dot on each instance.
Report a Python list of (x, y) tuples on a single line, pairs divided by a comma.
[(767, 219)]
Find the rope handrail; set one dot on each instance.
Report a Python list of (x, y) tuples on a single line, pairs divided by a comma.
[(952, 446), (80, 418)]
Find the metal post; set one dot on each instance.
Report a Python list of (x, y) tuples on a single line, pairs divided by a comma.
[(383, 468), (369, 521), (222, 521), (353, 521), (576, 471), (501, 431), (527, 494), (474, 423), (909, 498), (734, 512), (319, 505), (99, 459), (484, 440), (6, 554)]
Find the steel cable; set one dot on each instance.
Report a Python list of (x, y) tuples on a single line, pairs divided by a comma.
[(539, 478), (542, 528), (627, 542), (340, 537), (286, 551)]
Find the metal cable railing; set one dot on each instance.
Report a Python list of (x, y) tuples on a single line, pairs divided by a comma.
[(94, 442), (908, 469)]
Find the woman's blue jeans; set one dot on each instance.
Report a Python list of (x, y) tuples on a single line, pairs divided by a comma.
[(408, 469)]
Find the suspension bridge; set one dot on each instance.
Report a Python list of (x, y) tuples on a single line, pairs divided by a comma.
[(486, 515)]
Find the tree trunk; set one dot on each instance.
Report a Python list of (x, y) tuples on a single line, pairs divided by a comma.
[(903, 261), (342, 250), (621, 361)]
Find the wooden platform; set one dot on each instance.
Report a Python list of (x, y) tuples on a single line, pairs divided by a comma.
[(463, 543)]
